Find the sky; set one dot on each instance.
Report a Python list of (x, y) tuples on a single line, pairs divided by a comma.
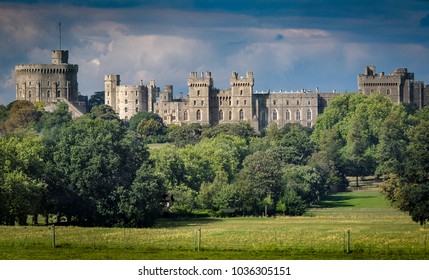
[(289, 45)]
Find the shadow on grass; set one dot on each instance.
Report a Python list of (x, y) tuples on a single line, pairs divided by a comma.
[(341, 200), (184, 222), (336, 201)]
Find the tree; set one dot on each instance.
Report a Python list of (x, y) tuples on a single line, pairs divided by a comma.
[(95, 156), (169, 166), (409, 191), (409, 197), (139, 205), (292, 142), (96, 99), (21, 113), (261, 177), (152, 131), (21, 184), (241, 129), (391, 150), (143, 116), (417, 159), (357, 150), (185, 135), (305, 182)]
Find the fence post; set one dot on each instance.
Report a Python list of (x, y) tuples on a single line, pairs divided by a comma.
[(346, 245), (53, 236), (199, 239)]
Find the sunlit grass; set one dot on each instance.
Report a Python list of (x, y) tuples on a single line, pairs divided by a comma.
[(377, 231)]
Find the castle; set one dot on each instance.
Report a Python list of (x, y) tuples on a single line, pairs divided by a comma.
[(398, 86), (50, 83), (205, 104)]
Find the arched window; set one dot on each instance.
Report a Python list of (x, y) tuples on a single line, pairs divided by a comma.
[(298, 115), (126, 110), (137, 101), (185, 115), (126, 101), (230, 115), (48, 94), (274, 115), (287, 115), (309, 115), (221, 115), (388, 91), (241, 115), (198, 115)]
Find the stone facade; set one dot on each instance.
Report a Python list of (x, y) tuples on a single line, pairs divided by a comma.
[(49, 83), (399, 86), (128, 100), (206, 104)]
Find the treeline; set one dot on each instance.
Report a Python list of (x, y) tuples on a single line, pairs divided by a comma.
[(98, 170)]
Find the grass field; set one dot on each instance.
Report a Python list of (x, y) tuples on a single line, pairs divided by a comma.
[(376, 232)]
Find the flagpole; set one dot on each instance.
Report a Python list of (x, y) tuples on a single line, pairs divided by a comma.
[(60, 33)]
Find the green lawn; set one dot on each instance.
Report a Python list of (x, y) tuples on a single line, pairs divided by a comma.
[(377, 232)]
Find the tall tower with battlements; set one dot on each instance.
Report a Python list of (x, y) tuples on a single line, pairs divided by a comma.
[(48, 83), (200, 90)]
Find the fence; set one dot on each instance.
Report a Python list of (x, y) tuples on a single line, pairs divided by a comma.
[(200, 239)]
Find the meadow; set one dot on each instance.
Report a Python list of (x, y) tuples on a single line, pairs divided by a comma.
[(377, 231)]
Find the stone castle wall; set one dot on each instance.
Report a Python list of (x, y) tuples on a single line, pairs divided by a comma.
[(208, 105), (47, 82)]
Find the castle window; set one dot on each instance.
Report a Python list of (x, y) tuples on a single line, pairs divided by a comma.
[(137, 101), (195, 102), (126, 93), (126, 110), (287, 115), (137, 109), (198, 92), (185, 115), (274, 115), (198, 115), (388, 91), (202, 102), (309, 115), (220, 102), (48, 93), (108, 93), (126, 118), (297, 102), (48, 83), (238, 102), (274, 102), (241, 115), (241, 92), (298, 115), (126, 101), (309, 102), (221, 115), (230, 115), (245, 102), (287, 102), (230, 103), (58, 93), (29, 94)]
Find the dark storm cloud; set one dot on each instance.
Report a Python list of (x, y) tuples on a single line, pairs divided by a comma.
[(288, 44)]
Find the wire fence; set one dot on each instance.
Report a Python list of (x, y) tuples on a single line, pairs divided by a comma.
[(201, 239)]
